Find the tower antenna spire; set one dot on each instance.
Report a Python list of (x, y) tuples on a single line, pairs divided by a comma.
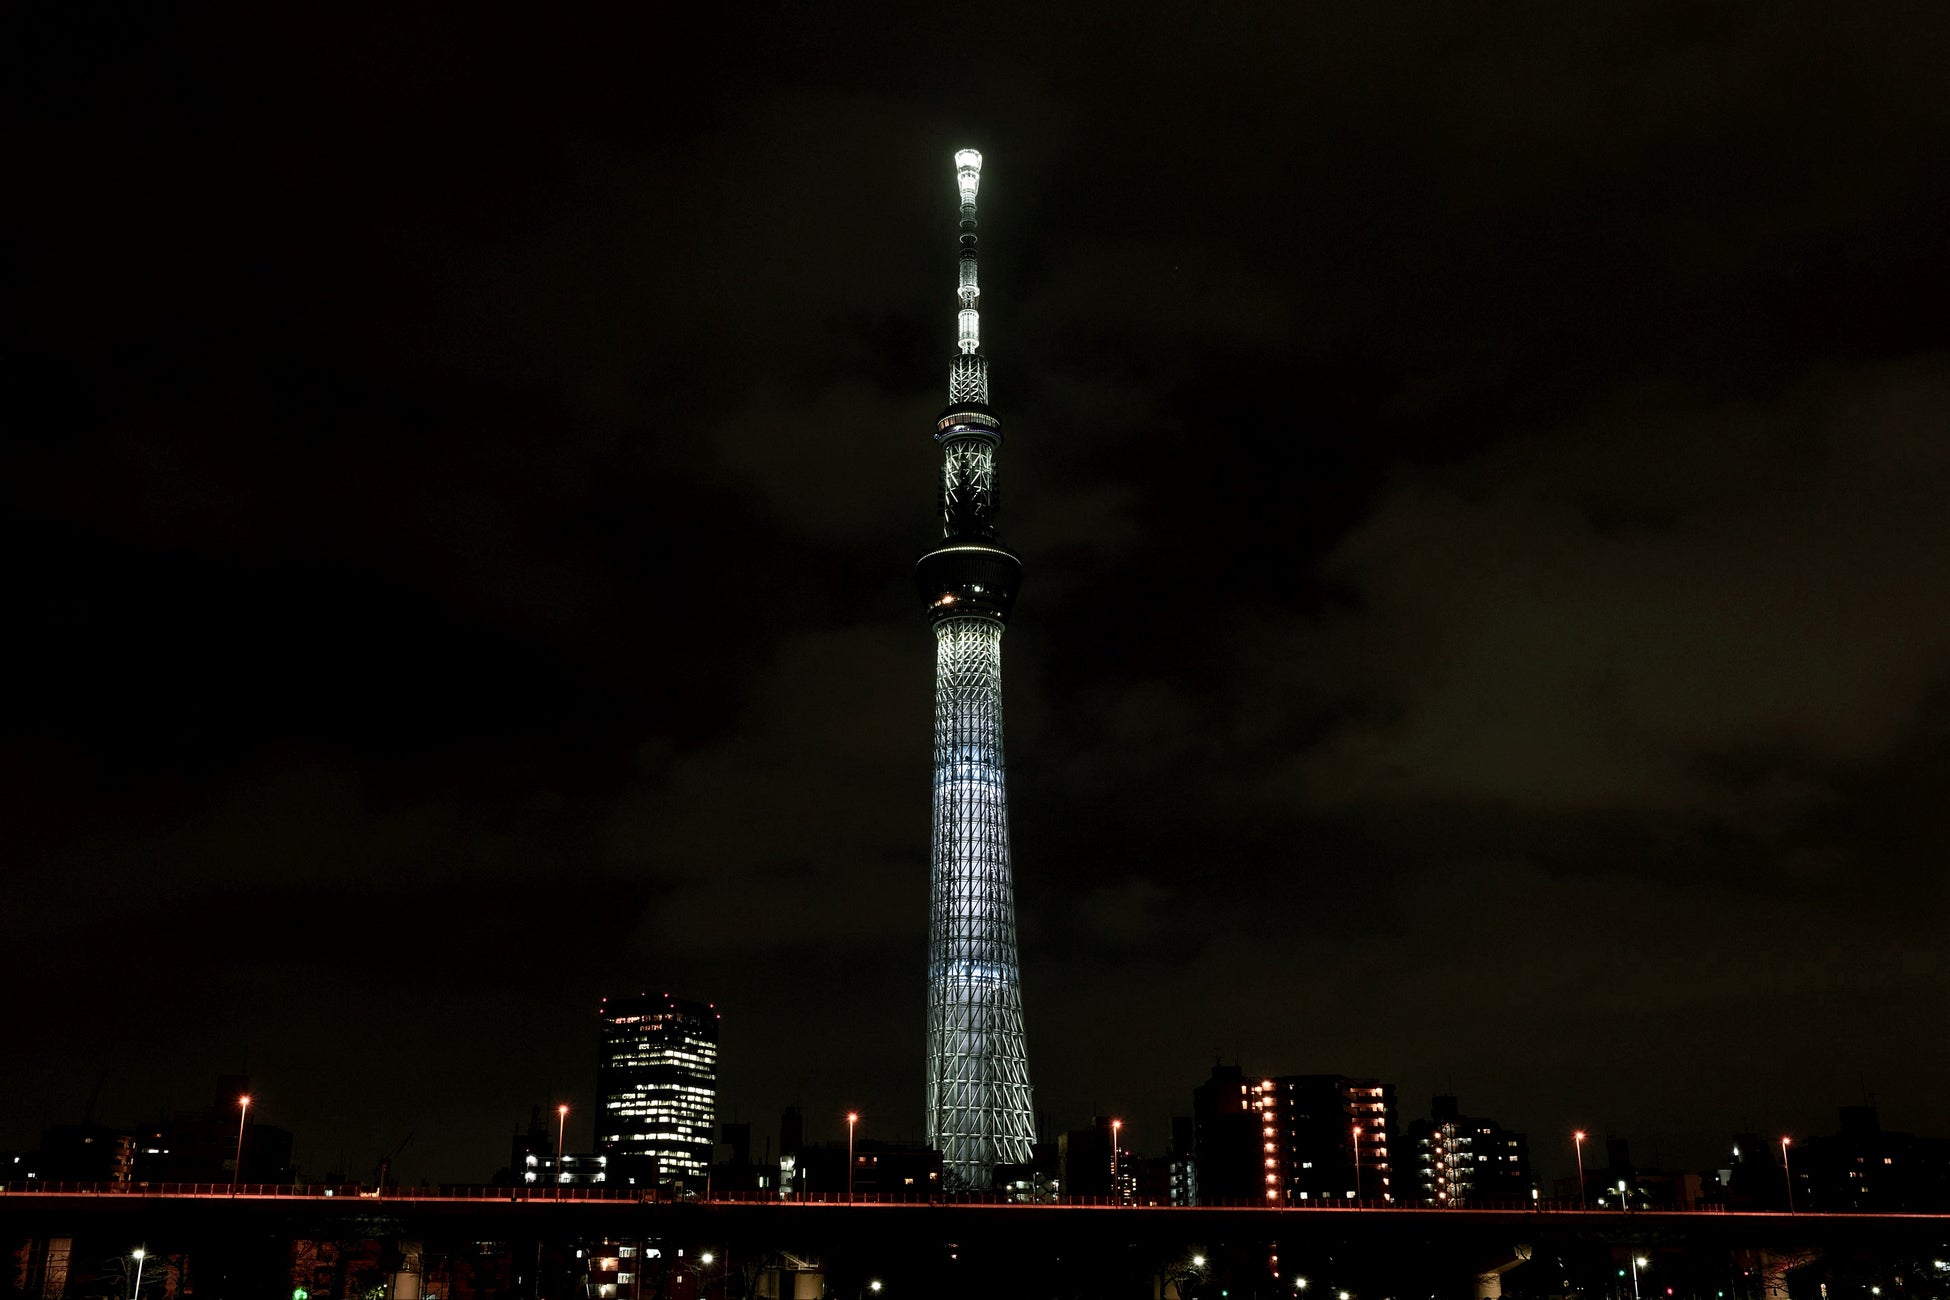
[(969, 380)]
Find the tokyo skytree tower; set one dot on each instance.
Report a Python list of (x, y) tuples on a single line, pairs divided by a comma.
[(979, 1111)]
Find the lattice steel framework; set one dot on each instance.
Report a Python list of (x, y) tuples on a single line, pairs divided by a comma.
[(979, 1111)]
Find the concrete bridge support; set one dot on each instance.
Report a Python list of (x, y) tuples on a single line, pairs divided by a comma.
[(1489, 1281)]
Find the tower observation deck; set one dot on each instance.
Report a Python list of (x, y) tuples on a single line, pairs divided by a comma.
[(979, 1112)]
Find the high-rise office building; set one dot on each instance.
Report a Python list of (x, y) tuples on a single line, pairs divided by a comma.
[(1182, 1155), (1225, 1139), (1298, 1139), (1467, 1160), (1325, 1137), (657, 1089), (978, 1100)]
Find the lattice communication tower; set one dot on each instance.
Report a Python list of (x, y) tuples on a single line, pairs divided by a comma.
[(979, 1112)]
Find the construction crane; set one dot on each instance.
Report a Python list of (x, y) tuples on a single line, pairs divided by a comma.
[(383, 1173)]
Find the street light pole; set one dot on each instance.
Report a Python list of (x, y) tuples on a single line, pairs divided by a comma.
[(237, 1165), (852, 1118), (136, 1290), (1578, 1139), (1638, 1262), (561, 1126), (1788, 1174), (1357, 1164)]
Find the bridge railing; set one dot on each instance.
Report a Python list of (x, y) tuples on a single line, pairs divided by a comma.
[(303, 1191), (613, 1195)]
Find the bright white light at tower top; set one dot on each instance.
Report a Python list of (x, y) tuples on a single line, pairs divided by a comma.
[(968, 173)]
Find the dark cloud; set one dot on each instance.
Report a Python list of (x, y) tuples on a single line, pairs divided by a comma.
[(1661, 607)]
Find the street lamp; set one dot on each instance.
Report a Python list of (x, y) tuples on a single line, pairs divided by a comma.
[(561, 1126), (136, 1290), (1788, 1174), (1116, 1127), (874, 1286), (852, 1118), (1638, 1262), (1357, 1163), (1578, 1139), (237, 1166)]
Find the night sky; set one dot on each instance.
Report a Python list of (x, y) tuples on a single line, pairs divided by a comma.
[(1481, 474)]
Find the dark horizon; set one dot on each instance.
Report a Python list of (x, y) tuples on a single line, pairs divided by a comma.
[(1480, 478)]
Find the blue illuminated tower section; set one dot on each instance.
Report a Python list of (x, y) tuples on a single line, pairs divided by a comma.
[(979, 1111)]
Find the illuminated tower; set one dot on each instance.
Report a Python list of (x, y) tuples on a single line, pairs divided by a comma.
[(978, 1067)]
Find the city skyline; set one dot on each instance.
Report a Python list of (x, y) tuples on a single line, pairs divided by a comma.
[(1483, 477), (1247, 1142)]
